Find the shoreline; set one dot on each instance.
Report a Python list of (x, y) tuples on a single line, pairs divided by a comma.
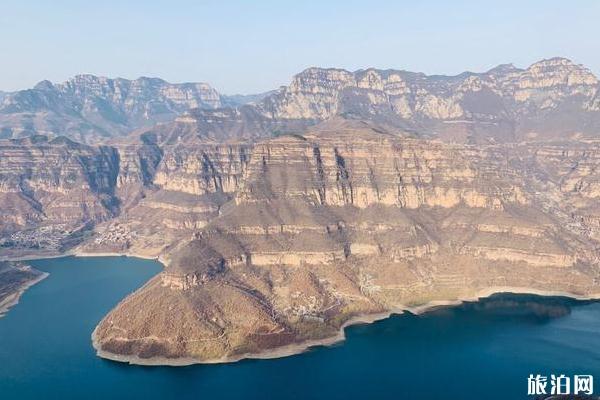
[(14, 298), (278, 352), (287, 350), (301, 347), (84, 254)]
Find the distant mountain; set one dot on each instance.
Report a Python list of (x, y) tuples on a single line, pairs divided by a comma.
[(552, 99), (241, 99), (89, 108)]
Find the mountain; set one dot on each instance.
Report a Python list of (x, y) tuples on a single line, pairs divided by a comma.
[(551, 99), (273, 246), (342, 196), (88, 108), (241, 99), (280, 241)]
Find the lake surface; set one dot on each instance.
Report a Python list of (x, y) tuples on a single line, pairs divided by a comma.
[(483, 350)]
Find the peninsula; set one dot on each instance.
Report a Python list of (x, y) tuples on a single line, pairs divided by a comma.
[(15, 279)]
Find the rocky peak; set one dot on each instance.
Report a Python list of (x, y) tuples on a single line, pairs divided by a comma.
[(370, 79), (321, 80), (82, 79), (493, 102), (553, 63), (124, 90), (555, 72), (504, 70), (44, 85), (150, 81)]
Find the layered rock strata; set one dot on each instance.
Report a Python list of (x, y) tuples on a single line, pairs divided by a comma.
[(327, 226), (551, 99), (343, 194)]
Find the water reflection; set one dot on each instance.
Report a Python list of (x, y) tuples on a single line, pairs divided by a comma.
[(542, 308)]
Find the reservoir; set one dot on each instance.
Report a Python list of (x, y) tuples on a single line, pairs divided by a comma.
[(479, 350)]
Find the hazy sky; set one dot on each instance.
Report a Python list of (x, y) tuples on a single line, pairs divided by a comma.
[(253, 46)]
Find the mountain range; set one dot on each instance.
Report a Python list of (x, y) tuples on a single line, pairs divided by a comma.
[(282, 217), (89, 108), (552, 99)]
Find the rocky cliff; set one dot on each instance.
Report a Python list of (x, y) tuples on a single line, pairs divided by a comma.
[(281, 241), (551, 99), (90, 108), (51, 189), (504, 104)]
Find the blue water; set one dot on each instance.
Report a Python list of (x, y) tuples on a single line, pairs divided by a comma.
[(482, 350)]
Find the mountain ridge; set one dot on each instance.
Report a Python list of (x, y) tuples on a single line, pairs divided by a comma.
[(425, 102), (551, 98), (92, 108)]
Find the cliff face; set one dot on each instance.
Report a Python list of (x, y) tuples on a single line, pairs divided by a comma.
[(283, 240), (55, 188), (552, 99), (331, 224), (503, 104)]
